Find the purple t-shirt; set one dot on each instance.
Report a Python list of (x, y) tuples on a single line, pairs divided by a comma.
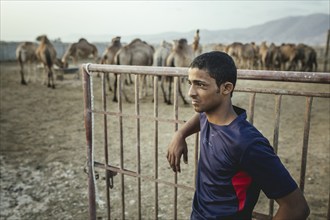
[(236, 162)]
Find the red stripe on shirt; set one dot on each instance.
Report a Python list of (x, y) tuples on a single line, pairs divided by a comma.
[(241, 182)]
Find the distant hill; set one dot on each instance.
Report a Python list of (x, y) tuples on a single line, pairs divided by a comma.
[(311, 29)]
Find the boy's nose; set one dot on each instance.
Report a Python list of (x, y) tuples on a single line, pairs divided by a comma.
[(191, 91)]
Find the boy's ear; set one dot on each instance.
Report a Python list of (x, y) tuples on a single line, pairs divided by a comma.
[(228, 87)]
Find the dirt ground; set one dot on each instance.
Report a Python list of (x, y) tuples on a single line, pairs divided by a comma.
[(43, 149)]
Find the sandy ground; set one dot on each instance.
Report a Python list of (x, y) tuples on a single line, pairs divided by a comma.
[(43, 149)]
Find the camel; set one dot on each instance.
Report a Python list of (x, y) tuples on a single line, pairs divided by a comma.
[(137, 53), (307, 57), (26, 54), (273, 57), (81, 49), (233, 50), (160, 56), (161, 53), (288, 56), (108, 56), (46, 54), (248, 55), (262, 54), (181, 56)]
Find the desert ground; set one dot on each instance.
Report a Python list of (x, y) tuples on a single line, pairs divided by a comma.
[(43, 148)]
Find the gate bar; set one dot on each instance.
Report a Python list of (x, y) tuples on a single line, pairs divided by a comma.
[(278, 101), (120, 110), (267, 75), (156, 143), (106, 154), (309, 101), (89, 134), (138, 156)]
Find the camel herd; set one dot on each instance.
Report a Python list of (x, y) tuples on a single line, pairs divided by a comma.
[(286, 57), (179, 53)]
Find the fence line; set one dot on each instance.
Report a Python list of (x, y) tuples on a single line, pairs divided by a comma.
[(88, 70)]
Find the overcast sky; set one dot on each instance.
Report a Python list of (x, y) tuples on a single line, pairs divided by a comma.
[(24, 20)]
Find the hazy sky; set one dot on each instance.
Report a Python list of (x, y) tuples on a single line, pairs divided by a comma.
[(24, 20)]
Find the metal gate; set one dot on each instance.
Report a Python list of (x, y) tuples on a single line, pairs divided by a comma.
[(97, 104)]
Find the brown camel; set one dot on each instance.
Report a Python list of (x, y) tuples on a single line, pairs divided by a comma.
[(108, 56), (26, 54), (137, 53), (307, 57), (82, 49), (46, 54)]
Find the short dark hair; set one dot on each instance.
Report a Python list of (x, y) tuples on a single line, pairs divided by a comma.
[(218, 65)]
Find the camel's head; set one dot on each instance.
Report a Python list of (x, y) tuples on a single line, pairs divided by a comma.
[(61, 64), (42, 38), (116, 39)]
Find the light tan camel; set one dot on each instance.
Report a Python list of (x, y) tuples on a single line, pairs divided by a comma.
[(46, 54), (160, 56), (263, 48), (248, 55), (108, 56), (82, 49), (26, 54), (137, 53), (233, 50), (181, 56)]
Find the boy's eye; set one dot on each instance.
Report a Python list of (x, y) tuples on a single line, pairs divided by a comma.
[(200, 84)]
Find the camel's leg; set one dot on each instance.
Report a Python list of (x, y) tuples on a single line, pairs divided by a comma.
[(129, 80), (23, 82), (108, 80), (115, 89), (162, 87), (180, 92), (51, 78), (169, 90)]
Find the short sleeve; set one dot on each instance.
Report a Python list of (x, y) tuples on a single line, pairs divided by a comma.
[(264, 166)]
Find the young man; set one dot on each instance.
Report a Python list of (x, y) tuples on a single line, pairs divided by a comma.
[(236, 160)]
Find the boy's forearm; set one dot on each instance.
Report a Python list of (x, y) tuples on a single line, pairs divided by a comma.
[(190, 127)]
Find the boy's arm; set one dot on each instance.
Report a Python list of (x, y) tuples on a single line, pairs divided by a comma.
[(178, 145), (292, 206)]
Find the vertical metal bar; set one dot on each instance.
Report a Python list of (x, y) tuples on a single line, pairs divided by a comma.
[(176, 113), (156, 143), (89, 135), (106, 155), (328, 215), (196, 157), (309, 101), (278, 101), (251, 107), (326, 52), (120, 109), (138, 156)]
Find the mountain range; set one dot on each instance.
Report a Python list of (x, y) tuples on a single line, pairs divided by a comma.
[(310, 29)]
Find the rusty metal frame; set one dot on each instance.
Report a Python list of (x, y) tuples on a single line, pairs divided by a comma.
[(88, 70)]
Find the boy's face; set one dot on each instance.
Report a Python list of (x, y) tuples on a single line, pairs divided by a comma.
[(204, 92)]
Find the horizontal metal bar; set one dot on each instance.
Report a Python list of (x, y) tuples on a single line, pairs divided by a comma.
[(118, 114), (135, 174), (265, 75), (284, 92)]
